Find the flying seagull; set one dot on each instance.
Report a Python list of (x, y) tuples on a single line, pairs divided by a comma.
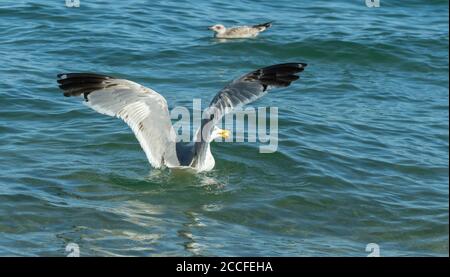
[(239, 31), (146, 112)]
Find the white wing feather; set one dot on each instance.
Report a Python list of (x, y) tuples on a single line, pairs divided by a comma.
[(147, 114)]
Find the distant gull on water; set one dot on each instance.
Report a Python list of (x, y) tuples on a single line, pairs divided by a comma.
[(221, 31)]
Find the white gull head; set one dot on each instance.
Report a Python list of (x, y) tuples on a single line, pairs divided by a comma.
[(219, 133), (218, 28)]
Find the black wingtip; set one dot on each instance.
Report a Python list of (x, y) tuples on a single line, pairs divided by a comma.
[(64, 76), (75, 84), (278, 75), (285, 67)]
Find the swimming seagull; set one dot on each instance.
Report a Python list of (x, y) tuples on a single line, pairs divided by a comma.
[(239, 31), (147, 113)]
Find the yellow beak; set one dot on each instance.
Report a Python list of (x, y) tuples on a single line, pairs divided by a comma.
[(224, 133)]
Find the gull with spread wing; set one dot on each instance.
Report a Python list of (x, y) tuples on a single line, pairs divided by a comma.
[(147, 113)]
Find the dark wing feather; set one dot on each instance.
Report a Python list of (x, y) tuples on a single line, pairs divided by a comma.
[(75, 84)]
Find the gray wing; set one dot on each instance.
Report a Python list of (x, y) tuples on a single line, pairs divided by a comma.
[(244, 90), (143, 109), (252, 86)]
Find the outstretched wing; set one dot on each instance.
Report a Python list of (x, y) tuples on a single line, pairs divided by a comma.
[(242, 91), (252, 86), (143, 109)]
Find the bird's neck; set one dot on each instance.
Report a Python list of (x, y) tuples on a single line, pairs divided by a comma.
[(204, 160)]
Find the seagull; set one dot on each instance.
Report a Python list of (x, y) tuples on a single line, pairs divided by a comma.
[(146, 111), (239, 31)]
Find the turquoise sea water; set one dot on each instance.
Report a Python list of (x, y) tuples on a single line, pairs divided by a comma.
[(363, 136)]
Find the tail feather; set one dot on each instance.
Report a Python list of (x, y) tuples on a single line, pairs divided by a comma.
[(263, 26)]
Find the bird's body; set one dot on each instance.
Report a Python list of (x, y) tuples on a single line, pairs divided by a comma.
[(147, 114), (221, 31)]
